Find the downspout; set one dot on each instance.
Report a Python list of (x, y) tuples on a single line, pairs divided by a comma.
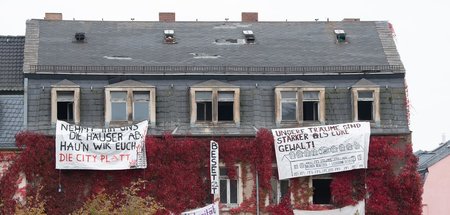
[(25, 103), (257, 193)]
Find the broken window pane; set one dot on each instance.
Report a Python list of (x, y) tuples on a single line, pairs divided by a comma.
[(311, 105)]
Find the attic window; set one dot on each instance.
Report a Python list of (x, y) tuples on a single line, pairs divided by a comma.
[(80, 36), (249, 36), (340, 36), (169, 37)]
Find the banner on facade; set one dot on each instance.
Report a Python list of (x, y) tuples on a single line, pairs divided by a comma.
[(120, 148), (212, 209), (322, 149), (358, 209), (214, 164)]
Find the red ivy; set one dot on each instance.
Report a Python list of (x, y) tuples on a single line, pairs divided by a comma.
[(177, 176)]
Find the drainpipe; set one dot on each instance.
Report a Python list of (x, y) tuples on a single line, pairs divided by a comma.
[(25, 103), (257, 193)]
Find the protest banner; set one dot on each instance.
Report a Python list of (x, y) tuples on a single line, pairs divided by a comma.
[(214, 164), (319, 150), (120, 148), (212, 209)]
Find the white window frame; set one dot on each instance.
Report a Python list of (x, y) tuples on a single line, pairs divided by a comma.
[(240, 195), (277, 195), (76, 102), (311, 178), (299, 105), (215, 103), (375, 103), (130, 105)]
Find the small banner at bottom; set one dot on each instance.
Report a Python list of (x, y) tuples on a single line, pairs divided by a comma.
[(358, 209), (211, 209)]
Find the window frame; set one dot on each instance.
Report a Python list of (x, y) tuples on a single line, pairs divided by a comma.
[(130, 105), (375, 103), (215, 103), (299, 105), (239, 192), (278, 195), (320, 177), (76, 102)]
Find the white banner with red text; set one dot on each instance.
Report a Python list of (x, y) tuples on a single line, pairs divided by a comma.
[(119, 148), (320, 150)]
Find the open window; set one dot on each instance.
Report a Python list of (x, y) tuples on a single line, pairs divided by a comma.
[(214, 102), (299, 102), (366, 101), (169, 37), (341, 36), (65, 102), (129, 101), (321, 189)]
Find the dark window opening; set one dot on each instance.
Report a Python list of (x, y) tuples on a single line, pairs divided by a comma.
[(204, 111), (169, 37), (365, 110), (310, 110), (225, 111), (65, 111), (322, 191)]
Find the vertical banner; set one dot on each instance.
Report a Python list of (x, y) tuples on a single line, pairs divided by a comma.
[(214, 164), (120, 148), (319, 150)]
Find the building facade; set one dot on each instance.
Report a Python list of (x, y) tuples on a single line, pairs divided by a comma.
[(215, 79)]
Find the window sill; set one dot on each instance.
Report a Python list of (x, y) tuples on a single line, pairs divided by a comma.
[(228, 124)]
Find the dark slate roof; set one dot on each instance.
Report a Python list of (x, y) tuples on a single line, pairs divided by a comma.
[(200, 44), (11, 119), (429, 158), (11, 62)]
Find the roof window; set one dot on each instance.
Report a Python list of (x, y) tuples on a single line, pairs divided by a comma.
[(340, 36), (169, 37), (249, 36), (80, 37)]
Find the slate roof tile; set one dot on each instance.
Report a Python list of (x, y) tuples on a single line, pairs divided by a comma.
[(11, 62)]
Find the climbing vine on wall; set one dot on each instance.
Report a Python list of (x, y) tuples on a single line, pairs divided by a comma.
[(177, 176)]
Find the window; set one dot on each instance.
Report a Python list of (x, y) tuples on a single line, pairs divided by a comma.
[(119, 106), (321, 190), (311, 105), (249, 36), (214, 102), (299, 102), (65, 102), (169, 37), (204, 106), (340, 36), (280, 188), (141, 106), (366, 101), (365, 105), (230, 189), (288, 106), (129, 101)]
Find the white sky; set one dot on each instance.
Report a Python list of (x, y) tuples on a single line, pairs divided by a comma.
[(422, 29)]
